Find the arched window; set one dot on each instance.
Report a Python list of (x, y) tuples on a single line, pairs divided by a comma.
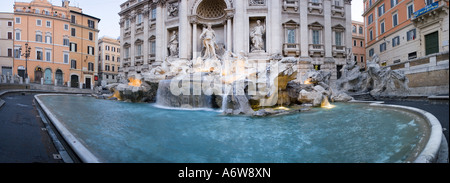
[(360, 30)]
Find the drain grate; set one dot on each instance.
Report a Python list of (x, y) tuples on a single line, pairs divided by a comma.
[(57, 156)]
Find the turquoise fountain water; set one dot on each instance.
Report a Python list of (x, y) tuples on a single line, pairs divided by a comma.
[(131, 132)]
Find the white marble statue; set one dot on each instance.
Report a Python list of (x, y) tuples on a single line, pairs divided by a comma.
[(257, 36), (208, 36), (173, 45)]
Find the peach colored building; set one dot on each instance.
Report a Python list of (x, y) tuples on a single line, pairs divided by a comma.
[(83, 48), (358, 49), (48, 29), (396, 34), (44, 27), (412, 37)]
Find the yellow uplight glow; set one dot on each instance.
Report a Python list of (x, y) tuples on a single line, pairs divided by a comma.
[(135, 82), (326, 104)]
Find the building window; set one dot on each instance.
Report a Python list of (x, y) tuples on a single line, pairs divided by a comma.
[(39, 55), (291, 36), (394, 19), (73, 32), (360, 30), (355, 58), (371, 34), (10, 24), (371, 52), (411, 35), (153, 14), (66, 27), (394, 3), (10, 35), (412, 55), (73, 64), (66, 58), (395, 41), (139, 19), (354, 43), (90, 50), (382, 47), (112, 68), (48, 24), (152, 47), (48, 39), (39, 37), (73, 47), (106, 57), (382, 27), (112, 58), (38, 22), (107, 48), (66, 42), (90, 66), (91, 36), (362, 58), (17, 53), (361, 43), (127, 23), (91, 24), (410, 10), (18, 20), (10, 52), (139, 50), (370, 19), (316, 37), (338, 37), (354, 29), (48, 55), (73, 19), (127, 52), (18, 38), (381, 10)]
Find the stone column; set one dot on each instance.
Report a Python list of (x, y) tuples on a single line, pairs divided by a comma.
[(122, 49), (304, 34), (194, 40), (133, 37), (159, 33), (275, 26), (145, 49), (239, 27), (229, 44), (184, 31), (348, 27), (328, 42)]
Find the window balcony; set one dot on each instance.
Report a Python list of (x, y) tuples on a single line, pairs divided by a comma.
[(339, 51), (315, 6), (316, 50), (290, 4), (337, 10), (291, 49), (138, 60)]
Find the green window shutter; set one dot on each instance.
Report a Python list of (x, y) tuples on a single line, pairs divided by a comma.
[(432, 43)]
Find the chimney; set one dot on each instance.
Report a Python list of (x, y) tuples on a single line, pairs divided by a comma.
[(65, 3)]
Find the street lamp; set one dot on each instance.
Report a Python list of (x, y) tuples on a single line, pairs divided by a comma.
[(26, 55)]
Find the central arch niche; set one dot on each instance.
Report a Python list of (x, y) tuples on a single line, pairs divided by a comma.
[(212, 9)]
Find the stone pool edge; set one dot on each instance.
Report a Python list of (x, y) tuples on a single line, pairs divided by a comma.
[(430, 152), (82, 152)]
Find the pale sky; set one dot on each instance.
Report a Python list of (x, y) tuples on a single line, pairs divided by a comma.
[(107, 11)]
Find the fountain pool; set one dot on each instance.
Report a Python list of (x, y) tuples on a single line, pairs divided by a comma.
[(115, 131)]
